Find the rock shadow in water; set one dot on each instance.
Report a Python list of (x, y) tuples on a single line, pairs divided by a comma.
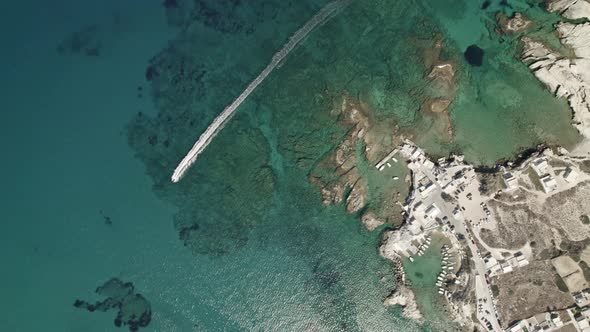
[(84, 42), (134, 310)]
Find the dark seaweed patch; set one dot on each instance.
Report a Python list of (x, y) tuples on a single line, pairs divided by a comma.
[(84, 42), (474, 55), (134, 310), (169, 4)]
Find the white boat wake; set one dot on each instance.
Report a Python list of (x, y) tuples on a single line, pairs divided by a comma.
[(322, 16)]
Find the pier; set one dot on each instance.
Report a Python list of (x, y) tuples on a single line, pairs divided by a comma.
[(219, 122), (384, 161)]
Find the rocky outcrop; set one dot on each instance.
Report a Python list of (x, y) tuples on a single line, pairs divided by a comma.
[(404, 297), (440, 89), (573, 9), (515, 24), (441, 86), (390, 241), (338, 172), (133, 310), (371, 221), (565, 76)]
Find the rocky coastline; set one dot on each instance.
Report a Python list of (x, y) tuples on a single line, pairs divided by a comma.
[(347, 184), (513, 25), (572, 9), (565, 75), (403, 295), (338, 176)]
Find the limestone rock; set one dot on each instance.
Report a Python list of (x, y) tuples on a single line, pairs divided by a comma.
[(517, 23), (356, 199), (404, 297), (370, 220), (566, 77), (573, 9)]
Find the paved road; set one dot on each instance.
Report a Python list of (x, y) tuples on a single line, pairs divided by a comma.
[(482, 292)]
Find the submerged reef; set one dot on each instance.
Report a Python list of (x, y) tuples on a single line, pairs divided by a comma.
[(281, 130), (513, 25), (222, 16), (340, 175), (400, 69), (134, 311), (86, 41), (347, 173)]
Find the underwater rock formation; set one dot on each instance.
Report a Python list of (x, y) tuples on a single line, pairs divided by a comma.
[(440, 88), (134, 310), (84, 42), (343, 174), (515, 24), (217, 207), (441, 82), (343, 163)]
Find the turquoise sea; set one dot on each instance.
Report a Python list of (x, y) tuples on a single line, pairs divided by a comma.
[(102, 99)]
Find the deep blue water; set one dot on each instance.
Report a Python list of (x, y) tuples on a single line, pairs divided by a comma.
[(243, 243), (65, 158), (79, 208)]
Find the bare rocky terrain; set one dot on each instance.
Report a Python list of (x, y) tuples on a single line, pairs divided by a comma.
[(546, 224), (526, 292)]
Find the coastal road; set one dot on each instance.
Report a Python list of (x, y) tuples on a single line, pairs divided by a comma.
[(483, 292)]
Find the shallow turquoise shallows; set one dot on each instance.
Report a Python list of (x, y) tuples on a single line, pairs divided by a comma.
[(243, 242)]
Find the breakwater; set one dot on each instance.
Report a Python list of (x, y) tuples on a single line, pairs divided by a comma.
[(219, 122)]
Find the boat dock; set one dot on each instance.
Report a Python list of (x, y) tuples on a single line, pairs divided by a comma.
[(380, 165)]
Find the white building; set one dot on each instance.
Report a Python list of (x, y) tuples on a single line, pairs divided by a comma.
[(416, 154), (490, 262), (510, 181), (432, 211), (540, 166), (519, 326), (570, 175), (523, 262), (428, 164), (549, 183), (506, 267), (426, 189), (457, 213), (419, 207)]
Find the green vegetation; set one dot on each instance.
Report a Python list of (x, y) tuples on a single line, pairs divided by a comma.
[(561, 284), (574, 248), (558, 163), (489, 183), (585, 166), (496, 290), (446, 197), (585, 270), (535, 179)]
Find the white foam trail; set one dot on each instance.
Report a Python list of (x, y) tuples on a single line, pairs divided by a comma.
[(322, 16)]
